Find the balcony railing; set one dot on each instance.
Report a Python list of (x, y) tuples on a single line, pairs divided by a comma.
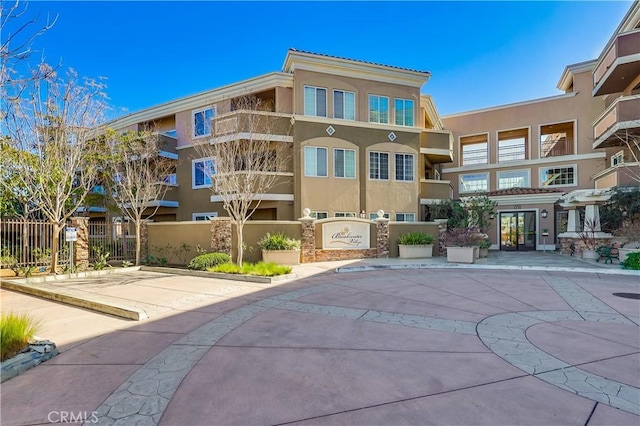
[(556, 147), (624, 113), (511, 153), (612, 74), (435, 189), (620, 175), (255, 122), (437, 145)]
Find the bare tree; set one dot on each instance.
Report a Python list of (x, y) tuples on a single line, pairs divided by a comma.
[(136, 175), (49, 141), (247, 158), (631, 140)]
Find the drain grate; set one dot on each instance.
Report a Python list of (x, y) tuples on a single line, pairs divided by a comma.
[(628, 295)]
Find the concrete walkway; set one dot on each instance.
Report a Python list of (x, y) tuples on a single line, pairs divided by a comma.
[(406, 346)]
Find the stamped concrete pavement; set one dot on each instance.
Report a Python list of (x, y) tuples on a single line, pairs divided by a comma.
[(379, 347)]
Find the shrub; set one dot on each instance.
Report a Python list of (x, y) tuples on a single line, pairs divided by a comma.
[(632, 261), (415, 239), (15, 333), (264, 269), (278, 241), (485, 244), (209, 260), (464, 237)]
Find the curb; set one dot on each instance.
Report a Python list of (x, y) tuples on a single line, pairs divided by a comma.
[(39, 352), (220, 275)]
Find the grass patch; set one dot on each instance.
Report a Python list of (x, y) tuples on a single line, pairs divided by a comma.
[(15, 333), (263, 269)]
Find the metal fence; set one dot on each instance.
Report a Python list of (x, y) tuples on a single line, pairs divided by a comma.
[(116, 238), (25, 244)]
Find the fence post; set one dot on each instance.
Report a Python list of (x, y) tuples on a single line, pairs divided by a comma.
[(221, 235), (81, 246), (382, 236)]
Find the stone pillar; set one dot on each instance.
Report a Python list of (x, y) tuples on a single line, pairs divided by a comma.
[(573, 220), (382, 236), (442, 231), (81, 246), (308, 244), (592, 216), (221, 235)]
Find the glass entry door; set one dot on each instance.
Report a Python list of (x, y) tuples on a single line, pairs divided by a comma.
[(517, 230)]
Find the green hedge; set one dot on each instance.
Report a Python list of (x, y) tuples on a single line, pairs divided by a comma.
[(209, 260), (632, 261)]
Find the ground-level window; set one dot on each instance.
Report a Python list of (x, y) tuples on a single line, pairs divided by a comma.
[(203, 216), (404, 167), (315, 161), (476, 182), (558, 176), (405, 217), (319, 215), (374, 216), (344, 163), (513, 179), (344, 214), (201, 171), (378, 165)]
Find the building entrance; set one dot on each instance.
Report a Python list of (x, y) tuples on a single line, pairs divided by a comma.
[(518, 231)]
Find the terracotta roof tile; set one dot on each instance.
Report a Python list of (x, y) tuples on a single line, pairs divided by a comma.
[(523, 191)]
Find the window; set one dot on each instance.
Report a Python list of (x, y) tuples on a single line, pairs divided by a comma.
[(202, 122), (315, 161), (374, 216), (203, 216), (405, 217), (556, 139), (618, 158), (477, 182), (404, 112), (171, 179), (404, 167), (201, 171), (344, 163), (378, 165), (513, 179), (344, 214), (378, 109), (512, 145), (344, 105), (315, 101), (319, 215), (475, 149), (558, 176)]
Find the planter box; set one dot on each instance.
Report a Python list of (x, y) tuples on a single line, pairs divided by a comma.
[(476, 252), (282, 257), (461, 254), (415, 251), (590, 254), (484, 252), (625, 251)]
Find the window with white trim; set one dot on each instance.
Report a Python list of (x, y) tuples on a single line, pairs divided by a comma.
[(558, 176), (319, 215), (512, 145), (201, 171), (344, 105), (374, 216), (198, 217), (378, 109), (344, 163), (617, 158), (403, 112), (404, 167), (476, 182), (344, 214), (315, 101), (202, 122), (557, 139), (315, 161), (475, 149), (513, 179), (378, 165), (405, 217)]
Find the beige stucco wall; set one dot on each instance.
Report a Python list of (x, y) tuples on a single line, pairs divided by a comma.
[(255, 230), (176, 234), (398, 228)]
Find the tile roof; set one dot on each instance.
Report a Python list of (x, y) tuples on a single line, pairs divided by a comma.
[(523, 191), (357, 60)]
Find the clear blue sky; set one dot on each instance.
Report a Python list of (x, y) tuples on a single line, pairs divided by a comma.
[(479, 53)]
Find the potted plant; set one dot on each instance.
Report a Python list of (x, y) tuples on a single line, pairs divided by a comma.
[(588, 238), (462, 243), (280, 249), (484, 247), (414, 245)]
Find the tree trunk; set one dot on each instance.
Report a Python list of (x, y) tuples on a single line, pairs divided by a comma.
[(239, 227), (55, 243), (137, 223)]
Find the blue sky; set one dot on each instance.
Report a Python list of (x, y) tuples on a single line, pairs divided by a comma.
[(479, 53)]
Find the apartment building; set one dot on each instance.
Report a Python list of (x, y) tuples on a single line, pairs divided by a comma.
[(549, 162), (362, 137)]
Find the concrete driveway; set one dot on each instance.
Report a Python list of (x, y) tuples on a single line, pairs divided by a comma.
[(381, 347)]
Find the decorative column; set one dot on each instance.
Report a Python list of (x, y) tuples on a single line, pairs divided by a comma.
[(221, 235), (81, 246), (573, 220), (382, 236), (592, 217), (442, 231), (308, 244)]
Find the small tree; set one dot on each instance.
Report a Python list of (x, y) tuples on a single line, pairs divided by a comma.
[(49, 144), (243, 169), (480, 209), (136, 175)]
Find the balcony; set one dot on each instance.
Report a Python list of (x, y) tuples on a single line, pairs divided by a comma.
[(435, 190), (619, 65), (620, 175), (241, 124), (617, 122), (437, 145), (556, 147)]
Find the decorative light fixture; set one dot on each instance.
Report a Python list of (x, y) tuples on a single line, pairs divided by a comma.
[(544, 213), (363, 214)]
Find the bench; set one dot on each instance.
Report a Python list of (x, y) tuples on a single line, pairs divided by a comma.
[(608, 254)]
